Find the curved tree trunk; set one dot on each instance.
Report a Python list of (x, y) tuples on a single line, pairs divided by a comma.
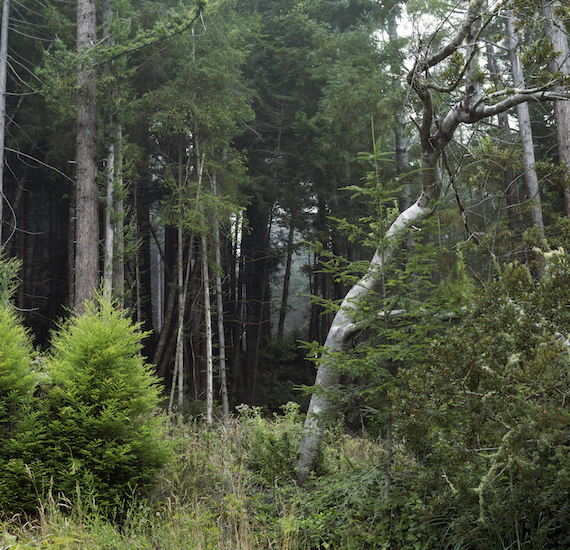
[(345, 323)]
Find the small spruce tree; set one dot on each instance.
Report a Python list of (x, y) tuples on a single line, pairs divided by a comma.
[(101, 435), (16, 387)]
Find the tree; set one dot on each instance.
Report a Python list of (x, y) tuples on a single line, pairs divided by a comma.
[(436, 130), (560, 65), (3, 63), (525, 129), (486, 414), (87, 192), (99, 431)]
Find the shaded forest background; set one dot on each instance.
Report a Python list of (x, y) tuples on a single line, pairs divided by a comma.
[(230, 144)]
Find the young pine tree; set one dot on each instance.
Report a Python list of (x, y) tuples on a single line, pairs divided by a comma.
[(100, 431)]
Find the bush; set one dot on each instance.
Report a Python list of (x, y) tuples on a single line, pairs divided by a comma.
[(16, 383), (272, 447), (489, 420), (99, 432)]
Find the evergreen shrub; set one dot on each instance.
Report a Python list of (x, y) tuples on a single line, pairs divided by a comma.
[(101, 436), (16, 383), (488, 419)]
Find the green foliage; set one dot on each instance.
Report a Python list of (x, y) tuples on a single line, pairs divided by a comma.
[(9, 268), (16, 378), (16, 382), (488, 417), (346, 510), (98, 431), (272, 448)]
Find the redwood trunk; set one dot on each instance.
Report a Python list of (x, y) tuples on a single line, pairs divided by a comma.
[(87, 196)]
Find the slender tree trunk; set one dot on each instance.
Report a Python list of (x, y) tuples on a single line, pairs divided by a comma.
[(87, 196), (178, 376), (525, 129), (208, 320), (3, 64), (238, 315), (113, 264), (119, 223), (109, 224), (510, 181), (556, 34), (286, 278), (220, 308)]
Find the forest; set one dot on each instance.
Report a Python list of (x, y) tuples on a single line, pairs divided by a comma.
[(315, 251)]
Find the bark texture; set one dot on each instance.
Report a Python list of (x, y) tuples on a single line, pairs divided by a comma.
[(555, 33), (87, 196)]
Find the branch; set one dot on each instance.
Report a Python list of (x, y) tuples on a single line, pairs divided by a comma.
[(149, 38)]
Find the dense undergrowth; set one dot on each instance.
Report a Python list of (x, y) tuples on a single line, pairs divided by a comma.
[(233, 487), (480, 458)]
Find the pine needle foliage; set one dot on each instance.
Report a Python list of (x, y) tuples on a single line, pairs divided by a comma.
[(101, 436), (16, 382), (16, 378)]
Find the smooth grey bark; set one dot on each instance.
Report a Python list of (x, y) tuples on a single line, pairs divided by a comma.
[(209, 335), (286, 278), (220, 308), (3, 64), (474, 107), (87, 195), (556, 34), (525, 130)]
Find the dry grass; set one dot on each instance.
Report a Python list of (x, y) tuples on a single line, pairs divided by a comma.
[(206, 498)]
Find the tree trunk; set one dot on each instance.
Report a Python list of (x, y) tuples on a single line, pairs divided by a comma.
[(208, 320), (345, 323), (220, 308), (556, 34), (109, 224), (119, 223), (286, 278), (87, 196), (510, 180), (525, 129), (237, 274), (3, 64)]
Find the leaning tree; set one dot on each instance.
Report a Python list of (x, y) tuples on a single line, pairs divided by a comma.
[(470, 103)]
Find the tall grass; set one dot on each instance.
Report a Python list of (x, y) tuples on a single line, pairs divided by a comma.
[(210, 496)]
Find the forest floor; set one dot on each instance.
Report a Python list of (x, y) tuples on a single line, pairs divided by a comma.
[(227, 488)]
